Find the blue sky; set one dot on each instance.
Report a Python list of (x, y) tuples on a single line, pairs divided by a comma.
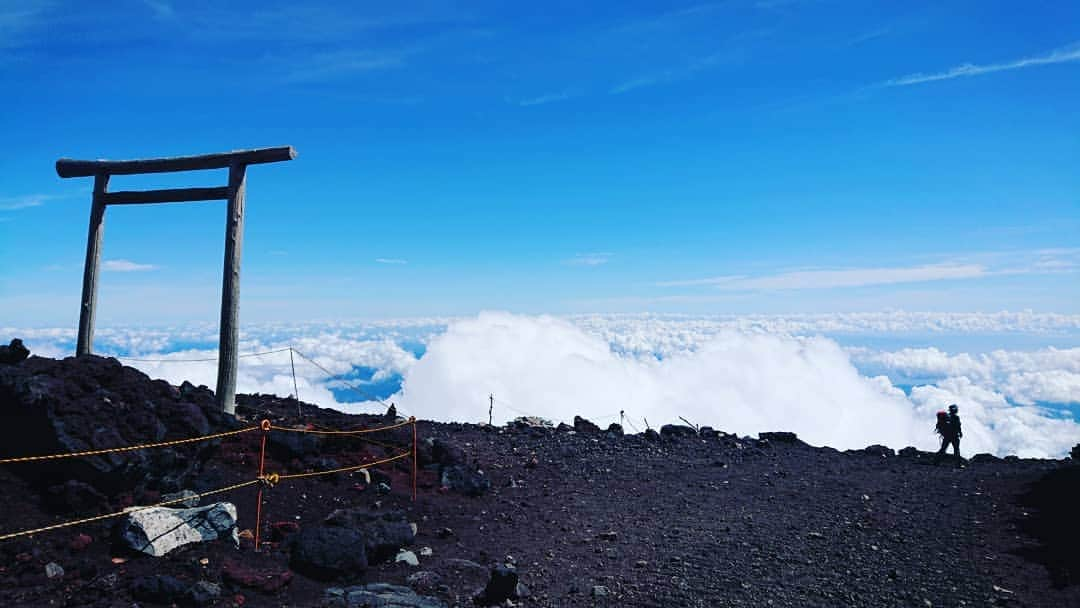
[(749, 157)]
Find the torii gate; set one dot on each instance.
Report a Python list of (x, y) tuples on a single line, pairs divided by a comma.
[(237, 163)]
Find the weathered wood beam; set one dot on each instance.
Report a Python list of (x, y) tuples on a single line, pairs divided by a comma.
[(229, 340), (66, 167), (88, 307), (177, 195)]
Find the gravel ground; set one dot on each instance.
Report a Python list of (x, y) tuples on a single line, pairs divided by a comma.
[(603, 520)]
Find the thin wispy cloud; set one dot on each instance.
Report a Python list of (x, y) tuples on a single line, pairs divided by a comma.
[(588, 259), (15, 203), (831, 279), (678, 73), (126, 266), (342, 64), (393, 261), (161, 8), (1067, 54), (545, 99)]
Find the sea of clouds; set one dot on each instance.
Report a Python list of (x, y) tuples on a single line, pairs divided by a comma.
[(826, 377)]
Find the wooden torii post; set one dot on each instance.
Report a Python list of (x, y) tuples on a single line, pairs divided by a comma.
[(237, 163)]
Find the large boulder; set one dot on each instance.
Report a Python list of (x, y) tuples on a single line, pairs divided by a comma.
[(158, 530), (15, 352), (672, 431), (779, 437), (582, 425), (384, 533), (466, 480), (502, 586), (50, 406), (378, 595), (328, 553)]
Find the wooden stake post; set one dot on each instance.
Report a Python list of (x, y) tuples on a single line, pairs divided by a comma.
[(237, 163)]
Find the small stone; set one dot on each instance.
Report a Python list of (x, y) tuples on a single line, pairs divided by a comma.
[(203, 593), (408, 557), (53, 570), (599, 591), (414, 528), (80, 542), (425, 551), (382, 488), (641, 563), (608, 536)]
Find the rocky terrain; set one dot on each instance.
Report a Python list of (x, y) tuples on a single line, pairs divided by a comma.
[(519, 515)]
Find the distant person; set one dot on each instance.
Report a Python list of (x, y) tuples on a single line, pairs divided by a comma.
[(948, 426), (391, 412)]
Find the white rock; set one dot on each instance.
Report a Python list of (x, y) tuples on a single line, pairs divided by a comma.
[(425, 551), (53, 570), (159, 530), (408, 557)]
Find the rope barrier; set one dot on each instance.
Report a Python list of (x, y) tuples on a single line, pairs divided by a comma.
[(266, 480), (346, 382), (205, 360), (87, 520), (131, 448), (353, 432), (346, 469)]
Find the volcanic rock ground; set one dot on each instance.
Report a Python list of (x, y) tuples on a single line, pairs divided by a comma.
[(718, 521)]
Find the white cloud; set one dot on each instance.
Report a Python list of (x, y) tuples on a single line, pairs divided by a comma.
[(1061, 55), (827, 279), (125, 266), (738, 373), (588, 259), (391, 261)]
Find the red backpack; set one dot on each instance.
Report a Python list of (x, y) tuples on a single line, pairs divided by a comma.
[(942, 427)]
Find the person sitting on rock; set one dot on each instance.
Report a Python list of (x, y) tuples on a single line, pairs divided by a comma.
[(948, 426)]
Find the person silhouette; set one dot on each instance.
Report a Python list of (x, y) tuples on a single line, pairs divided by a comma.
[(948, 426)]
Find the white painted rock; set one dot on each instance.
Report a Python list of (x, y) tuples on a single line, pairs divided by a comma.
[(408, 557), (159, 530)]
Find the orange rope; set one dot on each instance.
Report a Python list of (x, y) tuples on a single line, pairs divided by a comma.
[(346, 469), (125, 449), (355, 432), (126, 511)]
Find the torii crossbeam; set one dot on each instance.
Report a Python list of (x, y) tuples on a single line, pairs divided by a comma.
[(237, 163)]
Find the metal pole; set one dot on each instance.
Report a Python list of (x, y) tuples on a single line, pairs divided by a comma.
[(296, 391), (491, 407), (88, 309)]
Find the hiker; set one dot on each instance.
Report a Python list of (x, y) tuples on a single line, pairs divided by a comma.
[(948, 426)]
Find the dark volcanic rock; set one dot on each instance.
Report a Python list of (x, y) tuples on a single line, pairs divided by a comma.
[(384, 533), (267, 581), (708, 432), (879, 450), (158, 588), (286, 445), (615, 429), (328, 553), (75, 496), (582, 425), (465, 480), (1056, 498), (651, 435), (672, 431), (500, 587), (14, 352), (90, 402), (779, 437), (378, 595)]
